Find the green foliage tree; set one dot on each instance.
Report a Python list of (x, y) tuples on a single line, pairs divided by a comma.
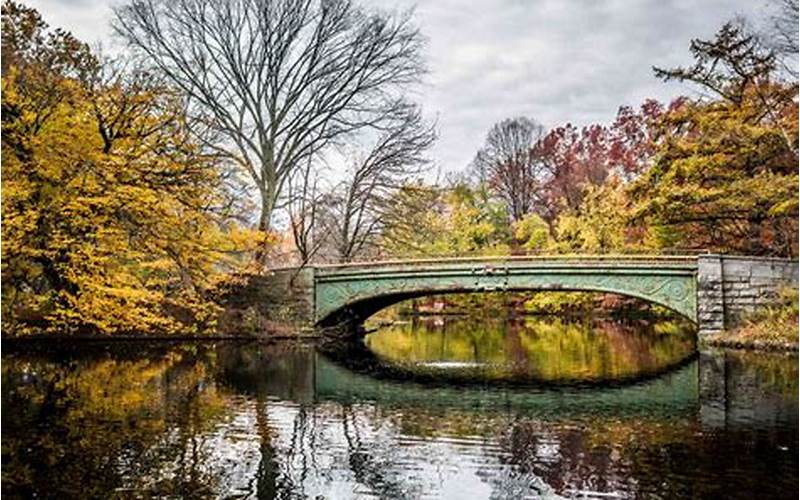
[(414, 218), (459, 221), (533, 234), (475, 224)]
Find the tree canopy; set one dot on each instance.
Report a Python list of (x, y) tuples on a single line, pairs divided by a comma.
[(113, 217), (725, 174)]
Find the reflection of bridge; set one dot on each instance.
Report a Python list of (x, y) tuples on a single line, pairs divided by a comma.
[(710, 290), (725, 389), (303, 375), (673, 391)]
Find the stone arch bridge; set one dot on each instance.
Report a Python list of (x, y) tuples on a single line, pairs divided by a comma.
[(710, 290)]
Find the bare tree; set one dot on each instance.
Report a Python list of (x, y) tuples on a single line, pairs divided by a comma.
[(782, 33), (280, 80), (508, 163), (357, 206), (304, 204), (785, 26)]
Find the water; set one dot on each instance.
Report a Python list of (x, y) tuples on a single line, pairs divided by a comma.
[(545, 408)]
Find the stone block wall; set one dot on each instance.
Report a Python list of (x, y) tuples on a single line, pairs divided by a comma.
[(752, 282), (729, 287), (260, 304), (710, 295), (291, 293)]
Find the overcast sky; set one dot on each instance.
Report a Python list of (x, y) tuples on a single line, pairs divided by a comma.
[(557, 61)]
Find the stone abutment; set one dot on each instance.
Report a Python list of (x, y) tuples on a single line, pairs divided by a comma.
[(730, 287)]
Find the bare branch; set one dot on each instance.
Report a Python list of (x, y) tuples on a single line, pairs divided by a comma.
[(508, 163), (356, 208), (278, 80)]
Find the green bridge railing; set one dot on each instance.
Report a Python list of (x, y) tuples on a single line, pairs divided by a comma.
[(572, 257)]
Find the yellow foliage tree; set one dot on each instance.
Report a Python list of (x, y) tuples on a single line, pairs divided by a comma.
[(458, 221), (108, 208), (533, 233), (725, 174), (600, 225)]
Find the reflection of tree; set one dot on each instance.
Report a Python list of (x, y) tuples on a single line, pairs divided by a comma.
[(264, 371), (516, 353), (260, 370), (186, 396), (83, 427), (267, 474), (546, 349), (159, 424), (743, 463), (564, 458), (368, 468)]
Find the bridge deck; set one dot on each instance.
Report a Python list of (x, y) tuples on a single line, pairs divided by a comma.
[(625, 259)]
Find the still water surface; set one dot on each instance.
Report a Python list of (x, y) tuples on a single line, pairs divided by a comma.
[(543, 408)]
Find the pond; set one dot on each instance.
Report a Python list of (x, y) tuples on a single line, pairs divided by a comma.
[(456, 408)]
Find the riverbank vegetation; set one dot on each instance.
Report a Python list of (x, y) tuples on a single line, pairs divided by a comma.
[(136, 189), (772, 327)]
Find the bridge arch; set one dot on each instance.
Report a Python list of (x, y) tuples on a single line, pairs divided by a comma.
[(353, 293)]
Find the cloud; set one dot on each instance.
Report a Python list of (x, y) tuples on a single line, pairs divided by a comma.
[(557, 61), (88, 20)]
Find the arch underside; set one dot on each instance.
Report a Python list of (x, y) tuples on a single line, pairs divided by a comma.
[(341, 298)]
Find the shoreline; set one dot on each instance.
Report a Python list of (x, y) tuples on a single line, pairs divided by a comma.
[(302, 335), (750, 345), (30, 339)]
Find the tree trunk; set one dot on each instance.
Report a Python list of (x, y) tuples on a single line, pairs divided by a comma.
[(264, 224)]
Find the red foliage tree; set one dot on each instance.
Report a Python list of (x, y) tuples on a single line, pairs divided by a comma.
[(577, 158)]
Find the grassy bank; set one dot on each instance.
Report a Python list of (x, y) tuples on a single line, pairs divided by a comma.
[(769, 328)]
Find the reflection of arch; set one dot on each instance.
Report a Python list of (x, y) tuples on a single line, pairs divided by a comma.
[(355, 293), (672, 391), (357, 359)]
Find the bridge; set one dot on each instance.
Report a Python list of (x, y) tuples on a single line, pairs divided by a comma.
[(712, 290)]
